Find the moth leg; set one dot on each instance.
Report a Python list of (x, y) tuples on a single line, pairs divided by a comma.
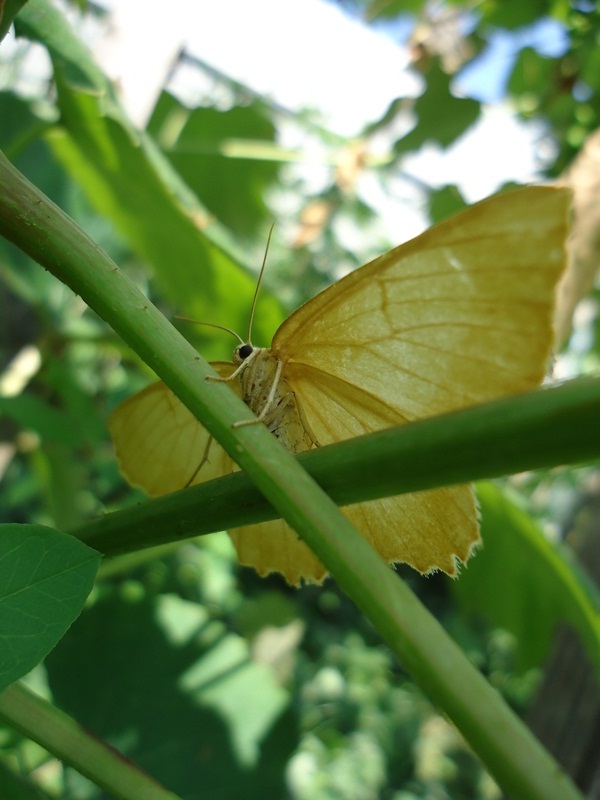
[(203, 461), (276, 418), (221, 379), (269, 401)]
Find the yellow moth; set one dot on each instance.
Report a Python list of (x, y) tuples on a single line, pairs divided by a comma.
[(459, 315)]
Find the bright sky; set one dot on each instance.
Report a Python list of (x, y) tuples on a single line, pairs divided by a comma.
[(308, 53), (302, 53)]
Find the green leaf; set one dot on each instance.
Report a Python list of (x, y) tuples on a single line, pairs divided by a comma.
[(531, 75), (521, 582), (442, 117), (34, 414), (513, 15), (41, 22), (45, 577), (218, 729), (590, 72), (128, 179), (216, 151), (390, 9), (18, 122), (8, 11), (16, 788), (445, 202)]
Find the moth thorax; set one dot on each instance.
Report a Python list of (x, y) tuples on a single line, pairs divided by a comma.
[(283, 416)]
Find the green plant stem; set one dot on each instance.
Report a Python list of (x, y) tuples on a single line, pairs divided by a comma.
[(510, 751), (37, 719), (493, 439)]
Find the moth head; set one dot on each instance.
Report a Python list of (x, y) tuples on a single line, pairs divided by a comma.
[(242, 352)]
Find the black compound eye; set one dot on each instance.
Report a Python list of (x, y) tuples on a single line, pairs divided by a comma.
[(244, 351)]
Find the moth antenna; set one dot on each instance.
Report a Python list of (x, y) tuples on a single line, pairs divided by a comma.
[(213, 325), (258, 282), (252, 307)]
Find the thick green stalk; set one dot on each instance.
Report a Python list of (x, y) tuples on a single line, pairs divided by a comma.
[(37, 719), (510, 751), (493, 439)]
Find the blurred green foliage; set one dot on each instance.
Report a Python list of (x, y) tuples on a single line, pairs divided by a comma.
[(218, 683)]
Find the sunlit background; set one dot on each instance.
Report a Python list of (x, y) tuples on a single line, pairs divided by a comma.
[(352, 125), (321, 61)]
